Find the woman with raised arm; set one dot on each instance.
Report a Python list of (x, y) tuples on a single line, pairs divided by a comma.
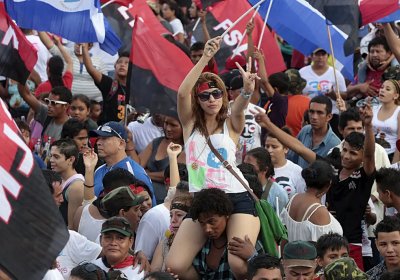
[(203, 112)]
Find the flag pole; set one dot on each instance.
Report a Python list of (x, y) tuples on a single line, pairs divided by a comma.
[(241, 17), (241, 39), (196, 24), (108, 3), (265, 24), (333, 63)]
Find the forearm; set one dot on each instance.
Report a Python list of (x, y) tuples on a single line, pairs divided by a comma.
[(88, 190), (67, 58), (239, 105), (185, 89), (393, 41), (353, 90), (46, 40), (369, 143), (174, 177), (156, 176), (250, 48), (205, 31)]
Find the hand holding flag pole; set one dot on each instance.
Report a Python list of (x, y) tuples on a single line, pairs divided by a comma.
[(241, 17)]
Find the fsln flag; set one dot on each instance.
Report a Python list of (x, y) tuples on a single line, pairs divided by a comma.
[(17, 55), (31, 228), (221, 16), (304, 27), (157, 66), (373, 11), (80, 21)]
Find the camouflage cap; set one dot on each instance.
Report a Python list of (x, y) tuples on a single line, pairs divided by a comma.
[(343, 269), (391, 73), (297, 83)]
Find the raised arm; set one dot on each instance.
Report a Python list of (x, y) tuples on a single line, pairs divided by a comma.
[(369, 142), (93, 72), (28, 97), (392, 39), (250, 42), (46, 40), (90, 160), (67, 58), (287, 140), (185, 90), (262, 72), (202, 15), (173, 151)]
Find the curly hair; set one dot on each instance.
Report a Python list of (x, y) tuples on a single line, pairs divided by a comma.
[(211, 201), (198, 113)]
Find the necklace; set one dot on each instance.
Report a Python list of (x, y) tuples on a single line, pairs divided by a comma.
[(216, 247), (194, 164)]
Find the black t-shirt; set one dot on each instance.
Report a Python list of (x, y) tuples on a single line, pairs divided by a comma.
[(349, 198), (114, 96)]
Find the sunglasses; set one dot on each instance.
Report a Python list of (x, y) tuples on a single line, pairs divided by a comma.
[(205, 95), (109, 129), (54, 102)]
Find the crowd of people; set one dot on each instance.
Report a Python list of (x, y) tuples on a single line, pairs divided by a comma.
[(164, 196)]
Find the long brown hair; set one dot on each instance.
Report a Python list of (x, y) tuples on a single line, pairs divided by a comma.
[(198, 113)]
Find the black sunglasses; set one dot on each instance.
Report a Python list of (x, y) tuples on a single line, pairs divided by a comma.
[(205, 95)]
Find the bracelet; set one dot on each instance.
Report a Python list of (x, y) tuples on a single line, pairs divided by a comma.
[(255, 254), (246, 95), (88, 186)]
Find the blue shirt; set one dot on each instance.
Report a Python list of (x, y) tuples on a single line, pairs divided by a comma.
[(128, 164), (276, 191), (305, 136)]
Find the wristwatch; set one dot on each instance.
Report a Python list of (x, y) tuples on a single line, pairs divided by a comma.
[(246, 95)]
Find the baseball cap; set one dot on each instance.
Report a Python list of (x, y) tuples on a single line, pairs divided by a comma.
[(110, 129), (118, 224), (120, 198), (319, 50), (236, 83), (297, 83), (344, 268), (299, 253), (230, 62)]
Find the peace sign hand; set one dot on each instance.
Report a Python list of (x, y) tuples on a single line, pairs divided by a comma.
[(249, 79)]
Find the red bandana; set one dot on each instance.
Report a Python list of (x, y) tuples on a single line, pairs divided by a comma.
[(136, 190), (206, 85), (129, 261)]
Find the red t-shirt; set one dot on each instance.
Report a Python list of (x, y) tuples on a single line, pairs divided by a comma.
[(46, 86), (297, 105)]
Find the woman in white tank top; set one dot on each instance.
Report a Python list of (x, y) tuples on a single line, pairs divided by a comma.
[(305, 217), (203, 112), (386, 119)]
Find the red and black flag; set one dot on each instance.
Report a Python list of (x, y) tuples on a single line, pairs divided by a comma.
[(31, 228), (221, 15), (17, 55), (157, 66)]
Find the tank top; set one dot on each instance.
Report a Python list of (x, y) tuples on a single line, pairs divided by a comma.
[(204, 168), (154, 165), (65, 186), (89, 226), (386, 131), (306, 230)]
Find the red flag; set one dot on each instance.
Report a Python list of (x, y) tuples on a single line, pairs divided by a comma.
[(226, 12), (17, 55), (157, 66), (373, 10)]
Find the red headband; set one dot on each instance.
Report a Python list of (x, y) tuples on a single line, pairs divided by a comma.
[(206, 85), (136, 190)]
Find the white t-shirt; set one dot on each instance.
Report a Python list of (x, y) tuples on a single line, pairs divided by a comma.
[(129, 271), (320, 85), (177, 26), (144, 133), (151, 230), (43, 56), (289, 177), (251, 135), (77, 250), (53, 274)]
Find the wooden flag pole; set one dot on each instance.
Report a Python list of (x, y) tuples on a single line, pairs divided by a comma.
[(241, 17), (196, 24), (333, 63), (265, 24)]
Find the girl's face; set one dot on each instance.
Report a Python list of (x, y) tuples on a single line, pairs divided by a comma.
[(58, 162), (95, 111), (388, 93), (172, 128), (81, 140), (147, 203), (177, 217), (167, 13), (213, 104), (79, 111)]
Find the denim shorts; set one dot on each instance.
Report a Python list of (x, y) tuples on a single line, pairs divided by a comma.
[(243, 203)]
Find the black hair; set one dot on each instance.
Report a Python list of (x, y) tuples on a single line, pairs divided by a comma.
[(263, 159), (182, 169), (247, 168), (89, 271), (94, 102), (333, 241), (178, 12), (182, 186), (388, 179), (51, 176), (56, 67), (116, 275), (355, 140), (280, 81), (198, 46), (349, 115), (322, 99), (63, 92), (379, 41), (22, 125), (139, 183), (318, 175), (254, 184), (72, 127), (388, 224), (123, 54), (83, 98), (68, 148), (391, 275), (263, 261), (116, 178), (211, 201), (158, 275)]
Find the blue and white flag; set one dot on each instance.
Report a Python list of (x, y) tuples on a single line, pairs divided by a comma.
[(392, 17), (304, 27), (80, 21)]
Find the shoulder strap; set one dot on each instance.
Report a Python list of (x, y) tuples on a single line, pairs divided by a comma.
[(267, 189), (307, 214), (230, 169), (290, 203)]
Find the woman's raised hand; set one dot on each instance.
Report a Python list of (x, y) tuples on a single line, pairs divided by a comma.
[(212, 47), (249, 79), (173, 150), (90, 159)]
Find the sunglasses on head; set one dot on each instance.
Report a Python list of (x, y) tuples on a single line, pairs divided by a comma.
[(109, 129), (54, 102), (205, 95)]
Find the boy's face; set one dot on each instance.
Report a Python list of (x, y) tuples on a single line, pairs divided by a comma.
[(388, 244), (332, 255), (351, 157)]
